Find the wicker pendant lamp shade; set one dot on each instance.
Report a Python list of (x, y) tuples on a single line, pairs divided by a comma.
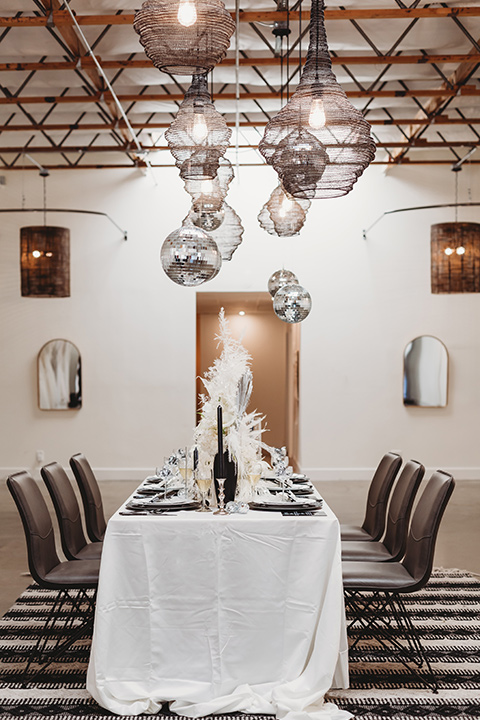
[(228, 235), (45, 261), (283, 215), (319, 128), (208, 196), (199, 136), (185, 37), (455, 257)]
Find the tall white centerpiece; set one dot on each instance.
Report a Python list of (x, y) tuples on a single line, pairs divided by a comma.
[(228, 383)]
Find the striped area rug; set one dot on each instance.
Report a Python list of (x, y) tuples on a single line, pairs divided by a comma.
[(447, 612)]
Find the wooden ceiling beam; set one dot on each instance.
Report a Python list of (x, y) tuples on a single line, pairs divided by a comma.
[(154, 125), (62, 18), (465, 90), (145, 64), (130, 166), (49, 149)]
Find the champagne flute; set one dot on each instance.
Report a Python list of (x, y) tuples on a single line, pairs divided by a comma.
[(203, 482), (254, 476)]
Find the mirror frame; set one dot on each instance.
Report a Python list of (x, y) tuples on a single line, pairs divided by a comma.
[(411, 404), (79, 375)]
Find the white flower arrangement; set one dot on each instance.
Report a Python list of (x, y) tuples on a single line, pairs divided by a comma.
[(228, 382)]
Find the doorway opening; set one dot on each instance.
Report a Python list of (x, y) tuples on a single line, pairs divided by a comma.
[(275, 350)]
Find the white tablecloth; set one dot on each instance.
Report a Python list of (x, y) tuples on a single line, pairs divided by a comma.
[(220, 614)]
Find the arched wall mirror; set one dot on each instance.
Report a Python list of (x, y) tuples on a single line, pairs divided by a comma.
[(59, 376), (425, 372)]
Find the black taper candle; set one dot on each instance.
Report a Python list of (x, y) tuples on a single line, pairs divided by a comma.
[(221, 461), (195, 458)]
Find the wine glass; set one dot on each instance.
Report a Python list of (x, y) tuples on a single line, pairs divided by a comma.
[(203, 482), (254, 475)]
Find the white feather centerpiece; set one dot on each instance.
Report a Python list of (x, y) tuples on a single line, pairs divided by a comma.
[(229, 383)]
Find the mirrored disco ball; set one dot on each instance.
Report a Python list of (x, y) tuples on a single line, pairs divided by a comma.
[(279, 279), (207, 211), (292, 303), (190, 256)]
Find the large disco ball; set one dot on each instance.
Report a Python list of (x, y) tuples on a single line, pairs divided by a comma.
[(190, 256), (292, 303), (279, 279)]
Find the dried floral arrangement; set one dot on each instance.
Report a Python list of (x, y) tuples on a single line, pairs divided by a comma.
[(229, 382)]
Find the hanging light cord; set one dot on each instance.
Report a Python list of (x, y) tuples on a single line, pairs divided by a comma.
[(44, 178), (456, 197), (110, 88)]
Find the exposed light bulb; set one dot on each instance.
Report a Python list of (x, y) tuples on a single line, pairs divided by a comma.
[(187, 13), (448, 251), (48, 254), (36, 253), (285, 207), (460, 250), (200, 129), (317, 119), (241, 312)]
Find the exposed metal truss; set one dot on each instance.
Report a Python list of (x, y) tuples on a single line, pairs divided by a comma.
[(412, 67)]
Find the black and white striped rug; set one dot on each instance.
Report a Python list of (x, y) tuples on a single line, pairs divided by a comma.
[(447, 613)]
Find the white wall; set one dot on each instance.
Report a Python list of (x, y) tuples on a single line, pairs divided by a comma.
[(136, 329)]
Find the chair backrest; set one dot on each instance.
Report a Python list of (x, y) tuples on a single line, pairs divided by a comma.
[(67, 509), (378, 494), (91, 497), (426, 520), (37, 524), (400, 508)]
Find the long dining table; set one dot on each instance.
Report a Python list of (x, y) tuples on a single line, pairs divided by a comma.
[(220, 614)]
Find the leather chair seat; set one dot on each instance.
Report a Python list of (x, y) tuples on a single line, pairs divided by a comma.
[(354, 533), (74, 574), (365, 551), (388, 577), (92, 551)]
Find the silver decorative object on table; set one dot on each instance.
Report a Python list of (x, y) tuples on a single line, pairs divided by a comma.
[(292, 303), (190, 256), (279, 279)]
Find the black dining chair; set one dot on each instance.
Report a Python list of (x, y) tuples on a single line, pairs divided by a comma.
[(67, 509), (374, 592), (91, 497), (392, 547), (75, 581), (377, 499)]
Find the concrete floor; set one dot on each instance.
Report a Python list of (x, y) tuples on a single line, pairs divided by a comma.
[(457, 545)]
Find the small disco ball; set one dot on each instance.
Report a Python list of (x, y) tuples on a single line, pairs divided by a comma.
[(190, 256), (279, 279), (207, 211), (292, 303)]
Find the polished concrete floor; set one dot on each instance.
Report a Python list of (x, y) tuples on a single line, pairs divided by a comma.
[(458, 543)]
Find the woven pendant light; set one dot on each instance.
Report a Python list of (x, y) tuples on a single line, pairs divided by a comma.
[(45, 261), (318, 126), (455, 257), (228, 235), (199, 136), (282, 214), (184, 37)]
